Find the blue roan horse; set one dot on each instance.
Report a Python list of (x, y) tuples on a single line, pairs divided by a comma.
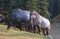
[(18, 15)]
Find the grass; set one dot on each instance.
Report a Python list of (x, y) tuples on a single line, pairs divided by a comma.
[(17, 34)]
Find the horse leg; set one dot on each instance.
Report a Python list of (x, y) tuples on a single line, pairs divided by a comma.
[(44, 32), (24, 26), (29, 28), (14, 24), (20, 26), (47, 31), (9, 25), (38, 29), (34, 29), (14, 27)]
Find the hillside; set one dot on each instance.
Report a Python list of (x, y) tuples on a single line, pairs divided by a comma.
[(17, 34)]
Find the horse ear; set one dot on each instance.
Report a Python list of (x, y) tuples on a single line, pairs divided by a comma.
[(31, 10)]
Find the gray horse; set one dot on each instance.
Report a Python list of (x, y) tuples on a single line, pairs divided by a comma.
[(41, 22)]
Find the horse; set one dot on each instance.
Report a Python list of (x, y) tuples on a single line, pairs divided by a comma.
[(18, 16), (41, 22)]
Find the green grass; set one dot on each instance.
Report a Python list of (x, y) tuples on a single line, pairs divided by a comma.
[(17, 32)]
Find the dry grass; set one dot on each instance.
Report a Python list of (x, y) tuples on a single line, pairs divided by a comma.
[(17, 34), (17, 37)]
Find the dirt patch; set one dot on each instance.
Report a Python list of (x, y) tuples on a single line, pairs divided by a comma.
[(17, 37)]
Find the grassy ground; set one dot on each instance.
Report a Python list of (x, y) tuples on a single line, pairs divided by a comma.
[(17, 34)]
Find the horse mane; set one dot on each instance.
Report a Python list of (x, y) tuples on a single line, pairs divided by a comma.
[(38, 15)]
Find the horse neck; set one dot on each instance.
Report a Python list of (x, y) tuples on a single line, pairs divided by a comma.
[(41, 17)]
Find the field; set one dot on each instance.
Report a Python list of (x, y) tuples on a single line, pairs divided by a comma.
[(17, 34)]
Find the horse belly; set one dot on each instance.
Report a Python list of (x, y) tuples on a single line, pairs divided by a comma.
[(45, 24)]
